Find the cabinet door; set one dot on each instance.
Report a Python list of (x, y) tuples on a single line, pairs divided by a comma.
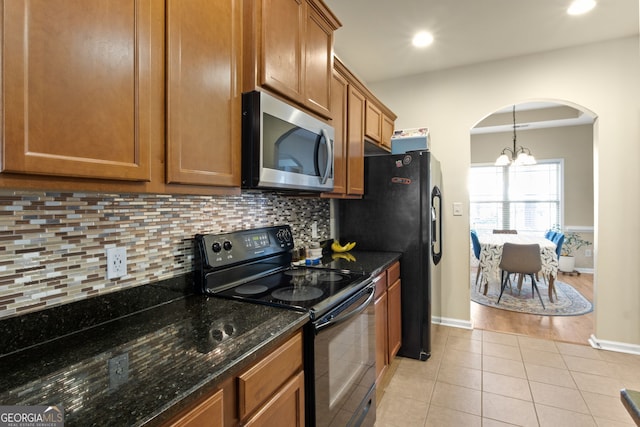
[(373, 122), (394, 332), (281, 58), (318, 63), (79, 79), (381, 307), (203, 92), (355, 141), (387, 131), (286, 408), (208, 413), (264, 378), (339, 87)]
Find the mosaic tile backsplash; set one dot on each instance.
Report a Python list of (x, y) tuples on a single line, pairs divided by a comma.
[(53, 245)]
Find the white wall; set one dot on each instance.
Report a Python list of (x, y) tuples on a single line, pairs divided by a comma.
[(602, 78)]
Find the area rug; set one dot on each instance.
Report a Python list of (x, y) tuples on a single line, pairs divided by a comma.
[(569, 302)]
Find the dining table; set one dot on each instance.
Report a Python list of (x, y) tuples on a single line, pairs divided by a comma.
[(491, 254)]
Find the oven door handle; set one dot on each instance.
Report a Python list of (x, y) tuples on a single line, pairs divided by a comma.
[(337, 320)]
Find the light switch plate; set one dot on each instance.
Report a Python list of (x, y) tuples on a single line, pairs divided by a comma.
[(457, 209)]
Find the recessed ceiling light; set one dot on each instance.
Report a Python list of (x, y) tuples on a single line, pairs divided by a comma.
[(422, 39), (578, 7)]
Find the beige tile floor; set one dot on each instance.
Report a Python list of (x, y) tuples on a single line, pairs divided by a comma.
[(483, 378)]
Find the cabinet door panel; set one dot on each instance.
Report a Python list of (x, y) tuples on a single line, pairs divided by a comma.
[(281, 36), (395, 321), (286, 408), (381, 307), (339, 113), (373, 122), (207, 413), (318, 63), (387, 131), (78, 79), (355, 142), (263, 379), (203, 99)]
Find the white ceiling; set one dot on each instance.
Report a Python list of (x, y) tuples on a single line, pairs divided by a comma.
[(375, 39)]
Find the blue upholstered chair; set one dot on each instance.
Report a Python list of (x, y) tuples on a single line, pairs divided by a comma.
[(559, 240), (476, 251)]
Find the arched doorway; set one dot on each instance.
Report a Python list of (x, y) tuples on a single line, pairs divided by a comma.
[(555, 133)]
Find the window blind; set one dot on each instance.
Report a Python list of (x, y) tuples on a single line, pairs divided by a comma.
[(525, 198)]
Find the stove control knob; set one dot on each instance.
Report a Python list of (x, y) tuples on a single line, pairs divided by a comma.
[(284, 235), (216, 247), (227, 245)]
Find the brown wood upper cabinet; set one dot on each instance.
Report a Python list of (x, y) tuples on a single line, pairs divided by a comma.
[(339, 91), (203, 92), (347, 108), (354, 111), (84, 95), (379, 125), (79, 80), (290, 50)]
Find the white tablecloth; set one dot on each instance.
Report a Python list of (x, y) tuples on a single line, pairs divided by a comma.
[(491, 254)]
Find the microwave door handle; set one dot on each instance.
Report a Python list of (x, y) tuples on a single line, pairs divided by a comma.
[(329, 146)]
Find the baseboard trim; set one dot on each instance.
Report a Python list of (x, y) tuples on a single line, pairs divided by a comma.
[(455, 323), (620, 347)]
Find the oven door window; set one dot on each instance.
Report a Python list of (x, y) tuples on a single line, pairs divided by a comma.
[(344, 366)]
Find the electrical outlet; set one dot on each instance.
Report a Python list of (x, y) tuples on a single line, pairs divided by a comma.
[(587, 252), (118, 371), (116, 263), (314, 230)]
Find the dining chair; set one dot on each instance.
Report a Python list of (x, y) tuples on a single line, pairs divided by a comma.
[(558, 240), (522, 259), (476, 251), (495, 231)]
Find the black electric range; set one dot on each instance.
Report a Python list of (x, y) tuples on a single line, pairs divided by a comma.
[(255, 266)]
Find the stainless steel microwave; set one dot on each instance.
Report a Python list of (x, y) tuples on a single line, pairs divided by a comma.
[(284, 147)]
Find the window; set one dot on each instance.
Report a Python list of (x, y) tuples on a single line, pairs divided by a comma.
[(525, 198)]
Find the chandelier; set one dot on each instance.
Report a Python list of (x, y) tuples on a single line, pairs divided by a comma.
[(518, 155)]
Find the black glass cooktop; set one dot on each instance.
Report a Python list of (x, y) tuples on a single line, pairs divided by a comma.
[(299, 288)]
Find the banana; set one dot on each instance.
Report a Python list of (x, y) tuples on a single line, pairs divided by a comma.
[(337, 247), (343, 255)]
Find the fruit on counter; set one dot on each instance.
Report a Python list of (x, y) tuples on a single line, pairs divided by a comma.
[(343, 255), (337, 247)]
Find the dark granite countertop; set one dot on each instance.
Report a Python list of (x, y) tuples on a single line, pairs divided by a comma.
[(178, 348), (631, 401), (369, 262)]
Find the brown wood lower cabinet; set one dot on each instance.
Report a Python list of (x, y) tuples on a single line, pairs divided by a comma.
[(388, 318), (285, 408), (208, 412), (269, 393)]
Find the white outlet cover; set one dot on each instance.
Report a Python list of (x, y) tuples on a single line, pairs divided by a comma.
[(116, 263)]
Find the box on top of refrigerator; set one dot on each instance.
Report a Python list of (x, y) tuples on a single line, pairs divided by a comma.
[(404, 140)]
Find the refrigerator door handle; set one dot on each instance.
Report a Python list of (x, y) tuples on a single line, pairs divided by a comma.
[(436, 225)]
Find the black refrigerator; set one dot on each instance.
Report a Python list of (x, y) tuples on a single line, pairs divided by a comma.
[(401, 212)]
